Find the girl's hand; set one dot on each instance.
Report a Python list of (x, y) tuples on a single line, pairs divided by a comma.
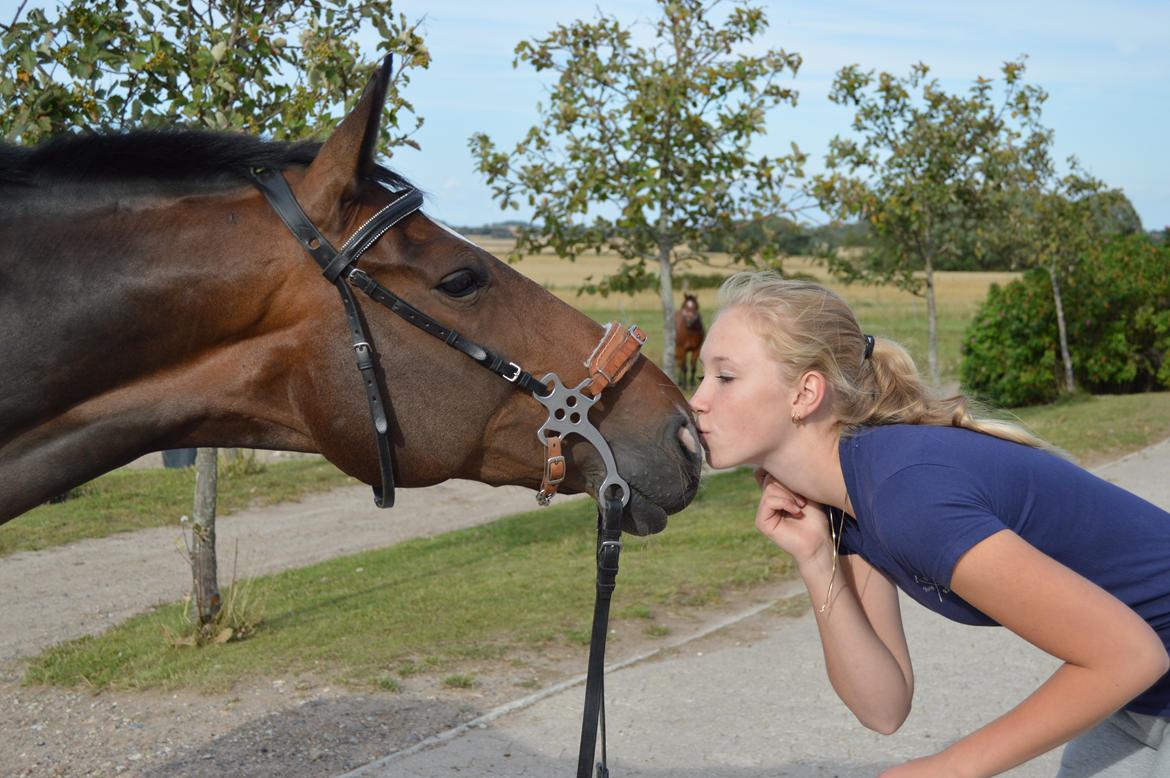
[(790, 521)]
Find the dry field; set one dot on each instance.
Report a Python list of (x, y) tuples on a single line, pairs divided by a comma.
[(884, 311)]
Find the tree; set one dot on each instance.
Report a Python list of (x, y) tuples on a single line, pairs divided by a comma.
[(1116, 299), (1059, 234), (214, 64), (107, 65), (924, 171), (645, 151), (205, 603)]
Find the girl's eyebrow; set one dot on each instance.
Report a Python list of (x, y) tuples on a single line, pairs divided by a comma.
[(717, 361)]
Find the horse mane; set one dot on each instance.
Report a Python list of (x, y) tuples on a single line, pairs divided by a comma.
[(169, 158)]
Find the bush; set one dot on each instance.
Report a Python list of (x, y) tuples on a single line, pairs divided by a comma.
[(1117, 309)]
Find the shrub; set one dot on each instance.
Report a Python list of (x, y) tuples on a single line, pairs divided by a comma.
[(1117, 309)]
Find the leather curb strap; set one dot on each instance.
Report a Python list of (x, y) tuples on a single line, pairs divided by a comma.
[(613, 357)]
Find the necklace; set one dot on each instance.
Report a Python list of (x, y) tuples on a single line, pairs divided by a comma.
[(835, 532)]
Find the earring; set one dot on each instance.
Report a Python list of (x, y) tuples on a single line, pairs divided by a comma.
[(795, 417)]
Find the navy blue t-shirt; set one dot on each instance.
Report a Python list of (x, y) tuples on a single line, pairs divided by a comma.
[(924, 495)]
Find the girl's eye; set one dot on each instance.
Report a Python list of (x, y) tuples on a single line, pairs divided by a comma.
[(459, 284), (726, 379)]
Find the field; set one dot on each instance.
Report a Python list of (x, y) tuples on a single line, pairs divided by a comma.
[(883, 311), (448, 582)]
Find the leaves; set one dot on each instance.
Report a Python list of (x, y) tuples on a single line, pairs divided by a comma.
[(112, 64), (1117, 305), (645, 149)]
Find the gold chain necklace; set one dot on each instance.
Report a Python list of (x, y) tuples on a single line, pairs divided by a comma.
[(835, 533)]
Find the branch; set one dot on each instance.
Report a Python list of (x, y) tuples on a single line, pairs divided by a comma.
[(15, 16)]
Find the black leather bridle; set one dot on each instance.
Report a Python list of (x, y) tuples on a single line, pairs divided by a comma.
[(567, 407), (338, 267)]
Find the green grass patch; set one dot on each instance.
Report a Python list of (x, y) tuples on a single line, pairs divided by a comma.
[(434, 604), (129, 499), (459, 681), (1099, 428)]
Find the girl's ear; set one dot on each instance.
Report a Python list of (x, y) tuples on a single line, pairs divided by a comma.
[(809, 395)]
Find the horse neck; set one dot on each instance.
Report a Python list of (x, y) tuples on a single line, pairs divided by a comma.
[(126, 327)]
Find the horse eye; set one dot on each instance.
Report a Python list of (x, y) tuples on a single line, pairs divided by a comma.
[(461, 283)]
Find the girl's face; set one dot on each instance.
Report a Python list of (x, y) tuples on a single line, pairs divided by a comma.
[(742, 405)]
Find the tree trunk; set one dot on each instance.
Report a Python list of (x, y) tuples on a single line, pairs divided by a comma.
[(666, 291), (205, 596), (1069, 384), (932, 324)]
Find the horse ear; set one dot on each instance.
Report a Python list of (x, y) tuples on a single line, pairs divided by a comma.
[(346, 157)]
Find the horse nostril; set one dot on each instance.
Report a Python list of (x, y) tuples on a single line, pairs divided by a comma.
[(688, 440)]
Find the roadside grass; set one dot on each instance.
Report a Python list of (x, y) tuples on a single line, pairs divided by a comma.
[(519, 585), (1096, 429), (130, 499)]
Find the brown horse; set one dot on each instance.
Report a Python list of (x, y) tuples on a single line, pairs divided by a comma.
[(688, 339), (150, 298)]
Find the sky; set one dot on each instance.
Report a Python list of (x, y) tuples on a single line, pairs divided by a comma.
[(1105, 66)]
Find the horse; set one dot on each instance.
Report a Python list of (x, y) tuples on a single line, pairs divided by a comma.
[(688, 339), (151, 298)]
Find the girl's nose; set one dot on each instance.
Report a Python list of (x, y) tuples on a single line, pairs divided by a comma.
[(699, 398)]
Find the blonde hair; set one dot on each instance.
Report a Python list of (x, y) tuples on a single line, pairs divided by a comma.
[(808, 327)]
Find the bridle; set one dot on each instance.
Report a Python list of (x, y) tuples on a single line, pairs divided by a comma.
[(568, 409)]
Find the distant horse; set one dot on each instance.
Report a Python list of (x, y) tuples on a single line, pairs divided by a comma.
[(151, 298), (688, 339)]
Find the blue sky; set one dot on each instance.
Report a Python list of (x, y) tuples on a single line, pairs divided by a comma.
[(1105, 65)]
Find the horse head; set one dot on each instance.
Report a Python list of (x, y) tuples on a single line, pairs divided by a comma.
[(689, 312), (214, 328)]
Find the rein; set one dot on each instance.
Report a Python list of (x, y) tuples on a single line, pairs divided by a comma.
[(568, 409)]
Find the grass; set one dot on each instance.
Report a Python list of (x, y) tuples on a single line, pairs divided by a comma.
[(883, 311), (516, 586), (130, 499), (520, 584), (1098, 428)]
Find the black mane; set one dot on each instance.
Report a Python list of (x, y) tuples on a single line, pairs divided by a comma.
[(162, 157)]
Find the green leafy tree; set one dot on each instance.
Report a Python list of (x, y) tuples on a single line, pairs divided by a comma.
[(645, 150), (925, 169), (1116, 299), (1055, 223), (284, 68)]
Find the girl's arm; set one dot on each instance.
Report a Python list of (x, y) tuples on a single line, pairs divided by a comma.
[(1110, 655), (861, 628), (864, 644)]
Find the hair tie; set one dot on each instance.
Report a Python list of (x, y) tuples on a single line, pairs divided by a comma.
[(868, 347)]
